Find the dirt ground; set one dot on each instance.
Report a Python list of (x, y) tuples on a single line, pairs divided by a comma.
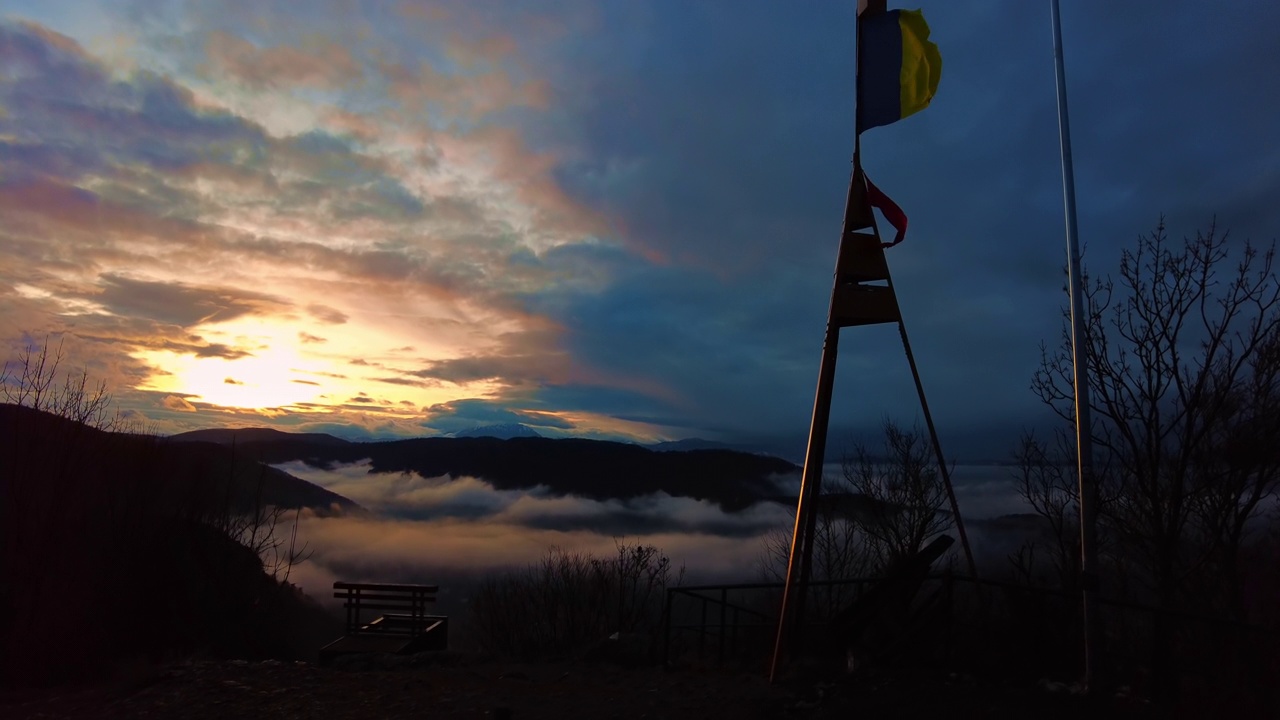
[(481, 690)]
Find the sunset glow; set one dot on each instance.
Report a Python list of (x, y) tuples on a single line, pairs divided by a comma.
[(395, 218)]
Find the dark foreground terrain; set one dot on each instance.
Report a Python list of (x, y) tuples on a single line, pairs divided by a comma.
[(461, 688)]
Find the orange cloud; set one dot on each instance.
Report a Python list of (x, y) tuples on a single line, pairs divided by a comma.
[(484, 51), (173, 402), (530, 173), (56, 39), (469, 96), (318, 63), (359, 126), (135, 224), (44, 207)]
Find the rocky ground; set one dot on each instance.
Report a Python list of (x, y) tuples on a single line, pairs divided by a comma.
[(459, 688)]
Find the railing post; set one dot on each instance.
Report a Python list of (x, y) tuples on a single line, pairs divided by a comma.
[(702, 627), (666, 631), (733, 641), (949, 586), (724, 607)]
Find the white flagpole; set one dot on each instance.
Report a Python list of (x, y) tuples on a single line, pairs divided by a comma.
[(1079, 341)]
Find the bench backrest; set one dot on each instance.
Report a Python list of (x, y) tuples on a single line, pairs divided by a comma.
[(402, 608)]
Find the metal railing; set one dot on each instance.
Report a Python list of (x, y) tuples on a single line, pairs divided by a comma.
[(723, 622), (727, 629)]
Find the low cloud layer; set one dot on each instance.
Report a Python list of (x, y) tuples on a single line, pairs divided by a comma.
[(454, 532), (411, 497), (458, 531)]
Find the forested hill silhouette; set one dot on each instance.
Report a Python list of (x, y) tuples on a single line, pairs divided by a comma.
[(240, 480), (226, 436), (593, 469), (118, 546)]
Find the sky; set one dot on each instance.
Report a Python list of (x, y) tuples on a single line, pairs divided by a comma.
[(603, 219)]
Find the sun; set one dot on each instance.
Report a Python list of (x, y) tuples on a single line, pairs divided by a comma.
[(266, 380), (274, 373), (280, 367)]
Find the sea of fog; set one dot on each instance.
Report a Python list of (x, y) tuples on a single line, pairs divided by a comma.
[(452, 532)]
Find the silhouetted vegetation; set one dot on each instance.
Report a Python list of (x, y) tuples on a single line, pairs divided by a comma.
[(885, 504), (1183, 352), (570, 604)]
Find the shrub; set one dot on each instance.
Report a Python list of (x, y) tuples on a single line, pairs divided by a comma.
[(569, 601)]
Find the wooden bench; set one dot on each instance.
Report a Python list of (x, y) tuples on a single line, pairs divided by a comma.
[(402, 625)]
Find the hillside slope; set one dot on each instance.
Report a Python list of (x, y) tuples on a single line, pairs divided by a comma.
[(116, 547)]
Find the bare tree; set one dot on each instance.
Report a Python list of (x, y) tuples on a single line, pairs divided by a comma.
[(903, 489), (34, 381), (570, 601), (1183, 362), (259, 526), (883, 506), (1047, 483), (842, 550)]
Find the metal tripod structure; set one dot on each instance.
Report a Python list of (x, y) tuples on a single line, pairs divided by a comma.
[(862, 294)]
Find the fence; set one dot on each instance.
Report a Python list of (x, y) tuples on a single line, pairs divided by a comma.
[(727, 630), (1017, 631)]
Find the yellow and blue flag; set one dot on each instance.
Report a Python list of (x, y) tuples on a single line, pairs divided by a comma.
[(898, 67)]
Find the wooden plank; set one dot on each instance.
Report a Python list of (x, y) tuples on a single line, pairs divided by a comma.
[(393, 587), (854, 305), (406, 599), (857, 206), (378, 606), (409, 629), (398, 618), (861, 259)]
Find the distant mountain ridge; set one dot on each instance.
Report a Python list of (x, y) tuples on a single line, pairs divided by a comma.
[(504, 431), (700, 444), (225, 436), (595, 469)]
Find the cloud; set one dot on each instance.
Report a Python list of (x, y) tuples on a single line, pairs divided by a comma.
[(409, 496), (156, 201), (454, 531), (559, 233), (474, 412), (471, 369), (211, 350), (426, 551), (182, 304), (173, 402), (320, 63), (471, 95), (399, 381), (153, 122)]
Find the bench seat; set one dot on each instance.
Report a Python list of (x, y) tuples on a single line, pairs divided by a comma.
[(410, 630)]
